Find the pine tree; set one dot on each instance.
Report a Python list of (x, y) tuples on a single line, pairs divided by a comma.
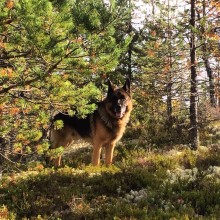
[(53, 54), (194, 133)]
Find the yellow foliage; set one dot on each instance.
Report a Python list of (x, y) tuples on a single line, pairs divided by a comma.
[(153, 33), (14, 111), (2, 45), (150, 53), (39, 167), (213, 36), (157, 45), (20, 137), (9, 4), (166, 69), (17, 150), (4, 213), (7, 72), (215, 4)]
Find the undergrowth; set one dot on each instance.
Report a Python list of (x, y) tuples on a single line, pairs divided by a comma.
[(143, 184)]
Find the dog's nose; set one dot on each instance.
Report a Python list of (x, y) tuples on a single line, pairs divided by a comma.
[(118, 108)]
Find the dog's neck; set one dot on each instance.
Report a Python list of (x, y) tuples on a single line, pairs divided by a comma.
[(105, 117)]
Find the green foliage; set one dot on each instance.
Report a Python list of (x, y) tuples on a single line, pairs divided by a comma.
[(54, 153), (54, 57), (58, 124)]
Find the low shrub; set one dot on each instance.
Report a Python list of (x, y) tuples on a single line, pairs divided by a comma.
[(170, 184)]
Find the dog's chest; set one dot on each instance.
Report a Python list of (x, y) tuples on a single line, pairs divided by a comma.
[(113, 133)]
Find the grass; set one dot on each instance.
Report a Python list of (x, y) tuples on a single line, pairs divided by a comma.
[(143, 184)]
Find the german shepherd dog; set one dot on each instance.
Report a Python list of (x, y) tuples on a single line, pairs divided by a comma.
[(103, 128)]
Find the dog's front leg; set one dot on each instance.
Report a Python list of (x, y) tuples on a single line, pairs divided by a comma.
[(109, 149), (96, 154)]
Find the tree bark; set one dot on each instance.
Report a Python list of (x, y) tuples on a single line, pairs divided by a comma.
[(211, 81), (207, 64), (129, 73), (194, 132), (205, 57), (169, 74)]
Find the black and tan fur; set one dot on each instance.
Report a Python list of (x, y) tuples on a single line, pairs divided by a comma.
[(103, 128)]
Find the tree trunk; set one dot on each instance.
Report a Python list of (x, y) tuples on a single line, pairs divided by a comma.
[(169, 74), (211, 81), (205, 57), (207, 65), (218, 84), (129, 73), (194, 132)]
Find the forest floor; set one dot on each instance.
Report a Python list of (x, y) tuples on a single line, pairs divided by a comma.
[(142, 184)]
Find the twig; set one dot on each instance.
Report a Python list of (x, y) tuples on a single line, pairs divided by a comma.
[(11, 162)]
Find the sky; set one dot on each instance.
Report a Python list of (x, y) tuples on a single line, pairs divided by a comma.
[(145, 10)]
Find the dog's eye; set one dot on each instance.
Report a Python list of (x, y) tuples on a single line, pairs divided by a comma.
[(114, 98)]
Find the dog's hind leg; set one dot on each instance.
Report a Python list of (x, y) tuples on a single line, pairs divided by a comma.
[(59, 138), (57, 161)]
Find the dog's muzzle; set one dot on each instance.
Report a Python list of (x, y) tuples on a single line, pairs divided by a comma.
[(119, 111)]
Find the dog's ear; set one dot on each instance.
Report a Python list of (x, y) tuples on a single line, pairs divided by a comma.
[(110, 87), (126, 86)]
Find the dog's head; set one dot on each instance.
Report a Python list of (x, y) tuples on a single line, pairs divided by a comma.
[(118, 101)]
